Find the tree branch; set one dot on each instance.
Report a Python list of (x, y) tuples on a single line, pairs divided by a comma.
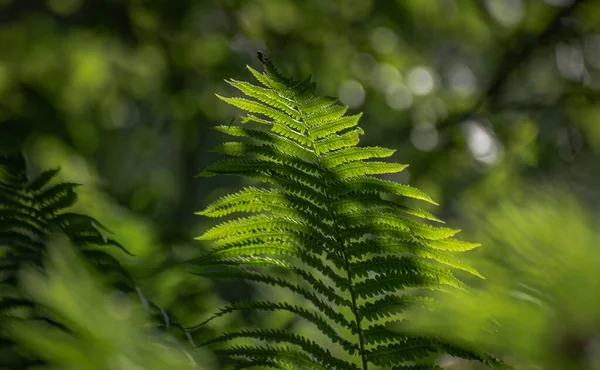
[(512, 59)]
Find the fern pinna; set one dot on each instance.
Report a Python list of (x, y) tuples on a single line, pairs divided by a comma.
[(326, 220)]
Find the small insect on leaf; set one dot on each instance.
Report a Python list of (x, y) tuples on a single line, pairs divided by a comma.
[(262, 57)]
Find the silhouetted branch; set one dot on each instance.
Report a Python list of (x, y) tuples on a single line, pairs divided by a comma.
[(513, 58)]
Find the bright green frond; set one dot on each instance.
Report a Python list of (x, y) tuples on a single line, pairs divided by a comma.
[(390, 221), (289, 133), (391, 264), (238, 166), (328, 129), (325, 221), (453, 245), (271, 248), (329, 114), (313, 318), (393, 282), (410, 349), (278, 355), (321, 355), (256, 224), (359, 169), (269, 200), (361, 249), (267, 96), (354, 154), (255, 107), (335, 142), (373, 202), (378, 186), (317, 104), (233, 273), (266, 151), (260, 77), (283, 144)]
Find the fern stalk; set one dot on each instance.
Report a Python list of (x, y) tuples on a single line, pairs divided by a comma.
[(357, 316)]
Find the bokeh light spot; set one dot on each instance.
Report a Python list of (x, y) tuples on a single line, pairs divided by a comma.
[(481, 143), (509, 13), (281, 15), (352, 93), (384, 76), (420, 80), (384, 40), (424, 137), (569, 61), (462, 80), (399, 97)]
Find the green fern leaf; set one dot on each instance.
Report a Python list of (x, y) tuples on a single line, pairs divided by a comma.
[(347, 245)]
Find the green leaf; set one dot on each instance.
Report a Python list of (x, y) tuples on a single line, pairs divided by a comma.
[(343, 238)]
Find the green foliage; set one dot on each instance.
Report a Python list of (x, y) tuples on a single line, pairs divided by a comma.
[(324, 228), (101, 329), (31, 210), (538, 304)]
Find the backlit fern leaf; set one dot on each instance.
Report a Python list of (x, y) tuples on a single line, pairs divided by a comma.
[(350, 251)]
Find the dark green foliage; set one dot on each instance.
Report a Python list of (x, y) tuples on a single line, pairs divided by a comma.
[(93, 328), (31, 209), (31, 212), (324, 220)]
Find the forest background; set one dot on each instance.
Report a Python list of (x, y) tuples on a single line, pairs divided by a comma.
[(493, 103)]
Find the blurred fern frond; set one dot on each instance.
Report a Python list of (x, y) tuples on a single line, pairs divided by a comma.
[(32, 209), (100, 329), (325, 229)]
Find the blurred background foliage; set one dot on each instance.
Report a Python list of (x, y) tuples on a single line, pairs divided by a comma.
[(538, 304), (493, 103), (101, 328)]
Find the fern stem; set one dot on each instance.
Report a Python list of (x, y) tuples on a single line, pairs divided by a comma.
[(357, 316)]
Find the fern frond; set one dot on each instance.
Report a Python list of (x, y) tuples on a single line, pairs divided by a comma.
[(255, 107), (415, 348), (282, 143), (256, 200), (393, 282), (372, 202), (335, 142), (31, 211), (281, 356), (311, 317), (322, 356), (325, 308), (378, 186), (343, 237)]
